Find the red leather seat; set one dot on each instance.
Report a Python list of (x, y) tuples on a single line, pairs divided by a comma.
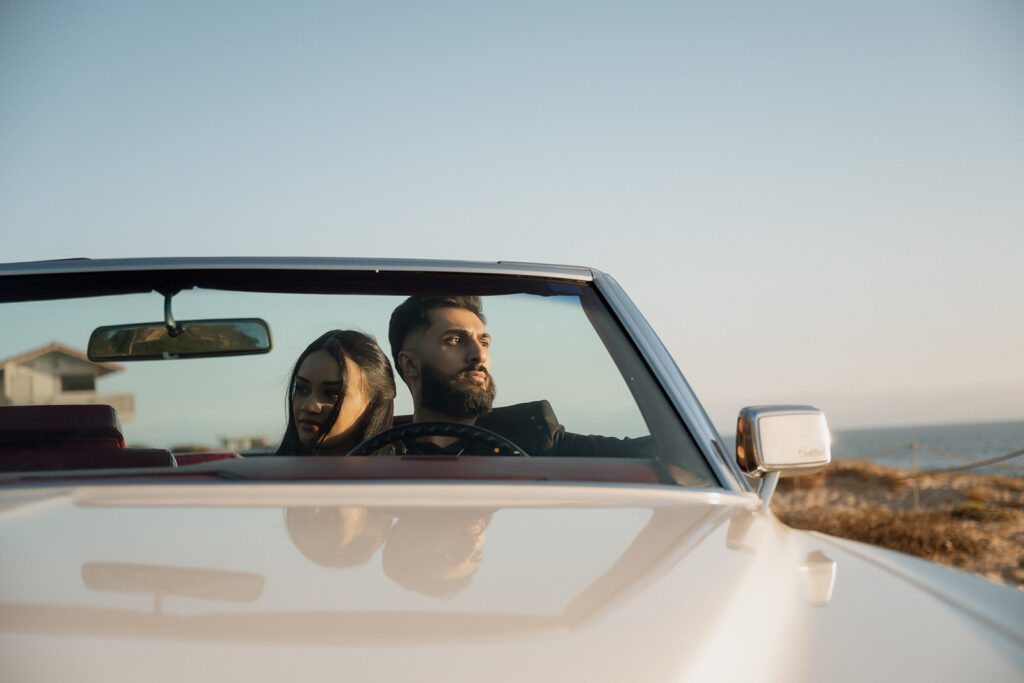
[(35, 426), (69, 437)]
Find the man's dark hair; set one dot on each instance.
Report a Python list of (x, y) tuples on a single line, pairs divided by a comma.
[(411, 315)]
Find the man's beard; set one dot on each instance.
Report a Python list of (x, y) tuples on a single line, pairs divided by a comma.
[(441, 395)]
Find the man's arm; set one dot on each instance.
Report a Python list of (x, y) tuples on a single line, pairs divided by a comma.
[(593, 446), (534, 427)]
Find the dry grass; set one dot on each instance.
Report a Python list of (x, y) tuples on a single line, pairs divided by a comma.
[(933, 535), (971, 521)]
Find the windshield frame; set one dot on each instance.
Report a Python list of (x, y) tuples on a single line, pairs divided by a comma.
[(54, 280)]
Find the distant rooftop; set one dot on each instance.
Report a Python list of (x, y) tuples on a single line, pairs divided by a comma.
[(57, 347)]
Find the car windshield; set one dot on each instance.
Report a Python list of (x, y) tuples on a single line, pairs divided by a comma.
[(568, 382)]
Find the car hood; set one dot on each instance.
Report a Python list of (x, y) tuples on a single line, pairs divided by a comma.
[(467, 582)]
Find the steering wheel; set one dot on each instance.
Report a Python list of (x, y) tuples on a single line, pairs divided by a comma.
[(476, 440)]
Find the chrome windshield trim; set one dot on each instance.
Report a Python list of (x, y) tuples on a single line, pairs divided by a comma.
[(576, 274), (672, 380)]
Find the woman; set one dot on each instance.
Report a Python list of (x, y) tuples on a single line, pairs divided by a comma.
[(342, 392), (337, 536)]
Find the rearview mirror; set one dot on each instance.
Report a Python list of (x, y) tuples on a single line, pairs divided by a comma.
[(206, 584), (187, 339)]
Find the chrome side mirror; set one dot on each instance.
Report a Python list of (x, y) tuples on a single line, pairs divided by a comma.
[(781, 441)]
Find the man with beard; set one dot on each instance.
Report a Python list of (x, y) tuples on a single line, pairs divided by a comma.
[(441, 350)]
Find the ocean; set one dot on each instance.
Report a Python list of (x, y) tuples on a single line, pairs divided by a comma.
[(957, 445)]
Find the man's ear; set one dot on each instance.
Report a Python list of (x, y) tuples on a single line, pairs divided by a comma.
[(409, 363)]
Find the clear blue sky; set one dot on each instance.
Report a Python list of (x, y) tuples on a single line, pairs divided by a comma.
[(816, 202)]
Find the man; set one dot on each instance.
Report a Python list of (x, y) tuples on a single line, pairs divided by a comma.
[(441, 349), (436, 552)]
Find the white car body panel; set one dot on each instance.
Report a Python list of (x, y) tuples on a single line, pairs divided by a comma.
[(576, 582)]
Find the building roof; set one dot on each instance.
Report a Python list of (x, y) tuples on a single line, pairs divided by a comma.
[(57, 347)]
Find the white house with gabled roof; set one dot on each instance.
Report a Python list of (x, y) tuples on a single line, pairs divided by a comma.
[(58, 374)]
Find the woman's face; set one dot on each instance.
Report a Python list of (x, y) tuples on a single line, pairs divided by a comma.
[(315, 393)]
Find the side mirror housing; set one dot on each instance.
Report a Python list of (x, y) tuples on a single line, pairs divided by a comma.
[(790, 440)]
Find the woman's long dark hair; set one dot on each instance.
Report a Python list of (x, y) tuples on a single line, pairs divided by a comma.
[(362, 349)]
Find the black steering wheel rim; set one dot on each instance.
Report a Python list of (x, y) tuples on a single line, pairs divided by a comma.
[(488, 442)]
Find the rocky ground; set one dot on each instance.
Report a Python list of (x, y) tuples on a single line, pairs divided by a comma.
[(971, 521)]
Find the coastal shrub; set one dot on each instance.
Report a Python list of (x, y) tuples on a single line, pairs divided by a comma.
[(978, 494), (979, 512), (925, 533)]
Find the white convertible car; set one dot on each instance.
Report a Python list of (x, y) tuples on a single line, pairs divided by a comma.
[(322, 470)]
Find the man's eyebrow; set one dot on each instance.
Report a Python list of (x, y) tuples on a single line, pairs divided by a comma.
[(463, 330)]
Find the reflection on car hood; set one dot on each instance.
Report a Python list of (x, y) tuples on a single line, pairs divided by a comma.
[(469, 582)]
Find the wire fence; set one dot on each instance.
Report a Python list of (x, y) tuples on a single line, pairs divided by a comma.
[(973, 462), (918, 449)]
